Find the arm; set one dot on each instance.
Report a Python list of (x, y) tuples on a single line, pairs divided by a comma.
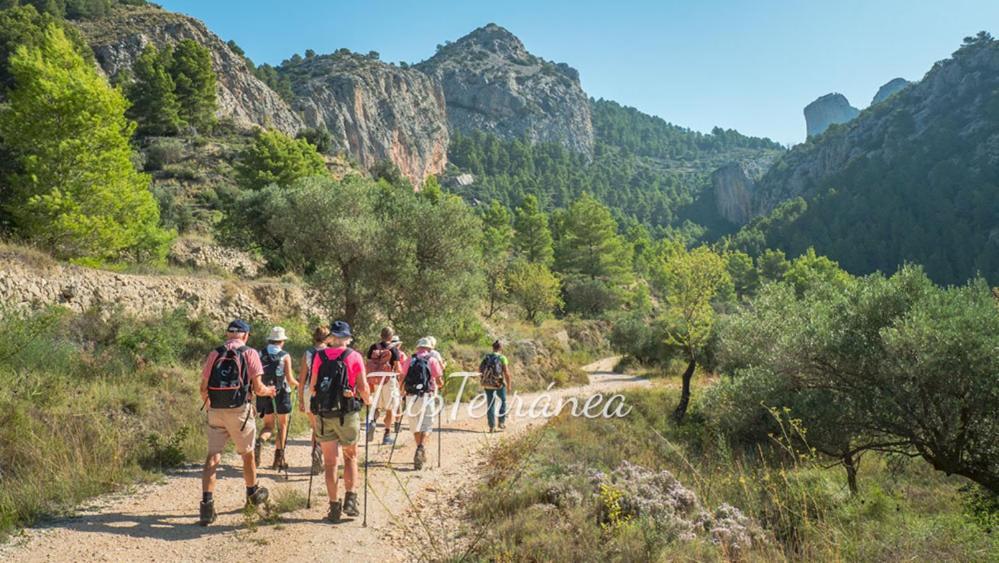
[(289, 374), (437, 372), (362, 382), (261, 390), (304, 374)]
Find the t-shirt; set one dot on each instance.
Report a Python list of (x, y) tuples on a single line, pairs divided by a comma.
[(355, 365), (250, 357), (436, 369)]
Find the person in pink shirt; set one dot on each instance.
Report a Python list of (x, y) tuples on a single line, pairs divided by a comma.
[(424, 376), (337, 405), (229, 378)]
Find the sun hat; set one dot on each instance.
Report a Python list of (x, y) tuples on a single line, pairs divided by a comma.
[(238, 325), (340, 329), (433, 342), (277, 335), (425, 343), (395, 341)]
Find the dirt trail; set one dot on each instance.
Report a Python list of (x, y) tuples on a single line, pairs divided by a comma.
[(159, 522)]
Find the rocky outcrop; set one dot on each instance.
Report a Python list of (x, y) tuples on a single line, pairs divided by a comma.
[(956, 99), (203, 255), (374, 111), (119, 39), (28, 284), (889, 88), (493, 84), (828, 110), (733, 186)]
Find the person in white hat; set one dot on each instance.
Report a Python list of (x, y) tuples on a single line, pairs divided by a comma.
[(277, 372), (424, 376)]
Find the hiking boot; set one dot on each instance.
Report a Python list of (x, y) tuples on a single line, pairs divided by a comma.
[(492, 429), (387, 439), (335, 510), (279, 461), (256, 452), (259, 497), (208, 513), (502, 426), (350, 504), (317, 460), (419, 457)]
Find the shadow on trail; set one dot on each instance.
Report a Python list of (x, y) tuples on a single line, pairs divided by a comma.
[(168, 527)]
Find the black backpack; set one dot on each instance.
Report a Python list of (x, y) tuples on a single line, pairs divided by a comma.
[(331, 381), (491, 370), (418, 377), (228, 382), (273, 365)]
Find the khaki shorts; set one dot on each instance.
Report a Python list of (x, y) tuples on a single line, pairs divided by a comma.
[(420, 411), (386, 396), (329, 429), (225, 425)]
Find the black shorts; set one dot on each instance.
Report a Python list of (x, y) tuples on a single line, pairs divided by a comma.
[(266, 406)]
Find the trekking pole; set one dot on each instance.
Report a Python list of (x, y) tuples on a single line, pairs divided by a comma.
[(277, 427), (398, 429), (364, 523), (308, 499), (286, 431)]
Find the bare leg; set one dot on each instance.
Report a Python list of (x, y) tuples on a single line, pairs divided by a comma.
[(208, 473), (283, 438), (268, 429), (349, 467), (329, 464), (249, 469)]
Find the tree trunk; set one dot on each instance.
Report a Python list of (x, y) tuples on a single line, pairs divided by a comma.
[(851, 472), (681, 409)]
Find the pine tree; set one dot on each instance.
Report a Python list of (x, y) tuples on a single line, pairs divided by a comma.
[(275, 158), (77, 192), (533, 238), (191, 69), (589, 244), (154, 102)]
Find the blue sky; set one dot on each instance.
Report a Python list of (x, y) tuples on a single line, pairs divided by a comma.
[(748, 65)]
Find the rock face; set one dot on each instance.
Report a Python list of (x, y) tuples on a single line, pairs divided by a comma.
[(889, 88), (951, 99), (734, 185), (119, 39), (828, 110), (493, 84), (374, 111), (26, 284), (203, 255)]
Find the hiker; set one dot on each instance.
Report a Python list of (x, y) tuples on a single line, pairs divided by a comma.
[(339, 392), (396, 343), (231, 372), (495, 379), (277, 373), (319, 336), (434, 352), (424, 376), (384, 358)]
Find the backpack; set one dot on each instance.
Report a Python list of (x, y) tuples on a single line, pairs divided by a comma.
[(332, 379), (417, 381), (274, 369), (228, 382), (380, 360), (491, 369)]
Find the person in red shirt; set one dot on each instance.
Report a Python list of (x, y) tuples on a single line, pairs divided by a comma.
[(339, 430), (424, 376), (230, 412)]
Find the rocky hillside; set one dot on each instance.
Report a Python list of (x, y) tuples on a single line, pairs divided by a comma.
[(493, 84), (118, 39), (828, 110), (373, 110), (915, 177), (889, 88)]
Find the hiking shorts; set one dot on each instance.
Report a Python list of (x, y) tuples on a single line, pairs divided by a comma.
[(266, 406), (329, 428), (386, 396), (228, 424), (419, 412)]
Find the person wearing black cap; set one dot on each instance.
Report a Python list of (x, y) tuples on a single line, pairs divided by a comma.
[(229, 378), (339, 391)]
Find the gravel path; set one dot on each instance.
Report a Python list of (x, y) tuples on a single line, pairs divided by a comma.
[(159, 522)]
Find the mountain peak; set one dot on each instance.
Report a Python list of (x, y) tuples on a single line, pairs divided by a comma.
[(494, 39)]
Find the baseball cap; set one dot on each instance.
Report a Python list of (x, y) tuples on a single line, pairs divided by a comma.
[(238, 325)]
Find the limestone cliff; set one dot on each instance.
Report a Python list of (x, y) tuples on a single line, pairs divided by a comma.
[(373, 110), (889, 88), (120, 38), (733, 186), (828, 110), (493, 84)]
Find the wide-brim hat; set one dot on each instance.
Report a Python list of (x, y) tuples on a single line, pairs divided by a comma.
[(424, 343), (395, 341), (340, 329), (277, 335)]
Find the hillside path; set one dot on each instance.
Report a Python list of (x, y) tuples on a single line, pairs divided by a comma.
[(159, 522)]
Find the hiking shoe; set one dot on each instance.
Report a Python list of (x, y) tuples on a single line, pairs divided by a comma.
[(419, 457), (492, 429), (279, 461), (350, 504), (259, 497), (502, 426), (317, 460), (208, 513), (387, 439), (256, 452), (335, 510)]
